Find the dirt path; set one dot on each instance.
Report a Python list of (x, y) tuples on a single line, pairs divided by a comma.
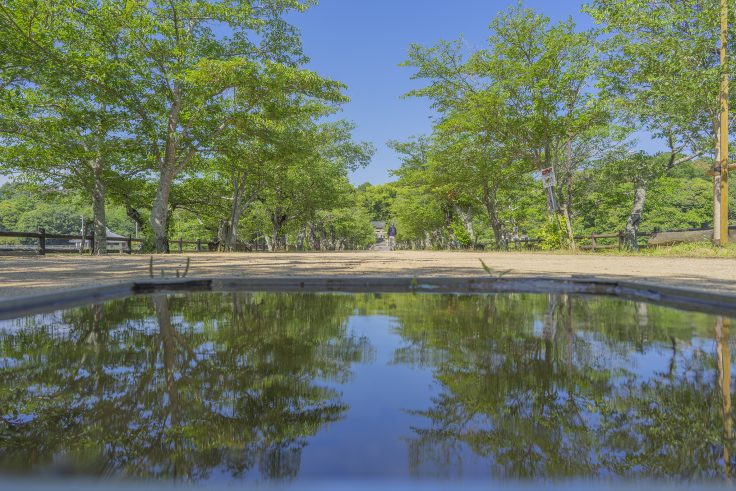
[(20, 276)]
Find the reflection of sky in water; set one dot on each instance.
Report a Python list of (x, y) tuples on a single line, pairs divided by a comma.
[(382, 394), (370, 439)]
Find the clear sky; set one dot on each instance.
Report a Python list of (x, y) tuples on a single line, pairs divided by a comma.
[(362, 42)]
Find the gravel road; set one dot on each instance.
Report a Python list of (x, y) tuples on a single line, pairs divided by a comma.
[(25, 275)]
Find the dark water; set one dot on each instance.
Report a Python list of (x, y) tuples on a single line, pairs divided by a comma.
[(262, 386)]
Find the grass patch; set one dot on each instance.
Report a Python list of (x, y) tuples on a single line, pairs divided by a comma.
[(692, 249)]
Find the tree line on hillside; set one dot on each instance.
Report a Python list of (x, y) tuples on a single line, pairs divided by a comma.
[(198, 119)]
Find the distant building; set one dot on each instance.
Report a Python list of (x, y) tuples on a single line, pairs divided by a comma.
[(115, 242)]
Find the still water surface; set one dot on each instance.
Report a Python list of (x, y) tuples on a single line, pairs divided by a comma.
[(230, 387)]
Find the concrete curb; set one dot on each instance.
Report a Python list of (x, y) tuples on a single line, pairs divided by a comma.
[(684, 298)]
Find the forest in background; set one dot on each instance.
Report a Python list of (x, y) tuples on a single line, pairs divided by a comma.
[(198, 120)]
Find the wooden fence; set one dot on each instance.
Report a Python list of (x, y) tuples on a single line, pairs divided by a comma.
[(528, 243), (680, 235), (177, 245), (87, 242)]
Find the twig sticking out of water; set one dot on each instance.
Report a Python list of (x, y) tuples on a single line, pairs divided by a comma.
[(186, 270), (163, 271), (494, 275)]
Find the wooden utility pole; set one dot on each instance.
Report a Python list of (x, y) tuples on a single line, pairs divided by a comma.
[(722, 165)]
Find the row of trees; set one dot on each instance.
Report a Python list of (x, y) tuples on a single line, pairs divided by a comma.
[(198, 119), (171, 109), (543, 94)]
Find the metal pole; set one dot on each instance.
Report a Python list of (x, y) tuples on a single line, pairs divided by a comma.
[(723, 164)]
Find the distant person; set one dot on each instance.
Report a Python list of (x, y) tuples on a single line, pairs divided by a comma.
[(392, 237)]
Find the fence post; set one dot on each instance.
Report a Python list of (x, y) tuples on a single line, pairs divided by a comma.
[(130, 245), (620, 239), (179, 244), (199, 245), (41, 241), (593, 241)]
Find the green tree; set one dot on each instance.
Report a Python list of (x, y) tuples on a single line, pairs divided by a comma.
[(662, 68), (521, 104), (60, 122), (312, 176), (377, 199)]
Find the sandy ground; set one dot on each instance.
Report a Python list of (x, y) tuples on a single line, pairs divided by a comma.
[(25, 275)]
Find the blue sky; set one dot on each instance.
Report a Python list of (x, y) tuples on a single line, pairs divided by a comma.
[(362, 42)]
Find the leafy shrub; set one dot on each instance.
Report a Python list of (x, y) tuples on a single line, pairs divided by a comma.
[(553, 234)]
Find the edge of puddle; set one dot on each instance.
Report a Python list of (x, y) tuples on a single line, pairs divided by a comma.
[(678, 297)]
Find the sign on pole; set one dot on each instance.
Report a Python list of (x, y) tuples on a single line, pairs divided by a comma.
[(548, 178)]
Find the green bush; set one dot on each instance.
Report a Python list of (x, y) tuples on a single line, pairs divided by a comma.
[(553, 234), (462, 235)]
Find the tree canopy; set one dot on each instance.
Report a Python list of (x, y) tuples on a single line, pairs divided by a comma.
[(201, 119)]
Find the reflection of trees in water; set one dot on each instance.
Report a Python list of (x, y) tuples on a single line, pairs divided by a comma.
[(175, 387), (541, 386), (678, 423), (550, 389)]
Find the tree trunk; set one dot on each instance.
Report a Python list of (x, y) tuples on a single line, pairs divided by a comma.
[(134, 215), (333, 239), (717, 188), (242, 199), (160, 213), (167, 332), (278, 220), (275, 236), (549, 323), (168, 169), (641, 311), (567, 208), (314, 238), (467, 220), (231, 237), (223, 231), (99, 221), (632, 225), (568, 226), (489, 201)]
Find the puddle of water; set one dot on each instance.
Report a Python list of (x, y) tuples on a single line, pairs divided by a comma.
[(229, 387)]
